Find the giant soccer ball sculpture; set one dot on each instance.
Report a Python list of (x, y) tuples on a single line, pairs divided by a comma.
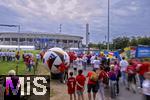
[(54, 57)]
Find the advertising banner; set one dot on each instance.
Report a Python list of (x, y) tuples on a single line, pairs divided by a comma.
[(143, 51)]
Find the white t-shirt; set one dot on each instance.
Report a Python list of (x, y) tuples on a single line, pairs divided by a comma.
[(85, 59), (146, 87), (96, 63), (80, 63), (123, 64), (75, 64), (92, 59)]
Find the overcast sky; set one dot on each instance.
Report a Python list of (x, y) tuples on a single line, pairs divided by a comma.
[(127, 17)]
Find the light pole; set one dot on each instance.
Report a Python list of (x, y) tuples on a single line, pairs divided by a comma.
[(60, 28), (87, 36), (18, 28), (108, 30)]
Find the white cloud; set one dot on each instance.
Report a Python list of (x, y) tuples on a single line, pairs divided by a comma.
[(73, 14)]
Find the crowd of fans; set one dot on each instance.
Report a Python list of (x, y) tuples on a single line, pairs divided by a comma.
[(133, 74), (97, 73), (7, 55)]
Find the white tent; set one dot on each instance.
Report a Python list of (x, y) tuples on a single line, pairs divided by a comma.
[(14, 47)]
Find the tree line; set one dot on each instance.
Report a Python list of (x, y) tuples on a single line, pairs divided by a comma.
[(122, 42)]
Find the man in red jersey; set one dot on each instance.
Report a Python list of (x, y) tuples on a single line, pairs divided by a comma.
[(131, 71), (71, 86), (145, 66), (80, 81)]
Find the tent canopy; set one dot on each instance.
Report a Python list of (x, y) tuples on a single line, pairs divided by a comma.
[(14, 47)]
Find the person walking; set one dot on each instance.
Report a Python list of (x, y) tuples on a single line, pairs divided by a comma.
[(85, 61), (80, 82), (102, 81), (143, 68), (92, 84), (96, 63), (118, 73), (146, 86), (131, 71), (112, 80), (124, 64)]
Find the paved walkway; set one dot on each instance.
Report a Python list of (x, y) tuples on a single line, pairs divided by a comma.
[(124, 94)]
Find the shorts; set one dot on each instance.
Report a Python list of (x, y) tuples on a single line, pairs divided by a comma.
[(71, 91), (79, 92), (92, 87)]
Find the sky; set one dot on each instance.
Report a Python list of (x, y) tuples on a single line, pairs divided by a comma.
[(127, 17)]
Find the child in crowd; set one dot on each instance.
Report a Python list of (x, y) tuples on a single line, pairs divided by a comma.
[(80, 81), (146, 86), (71, 86), (112, 80)]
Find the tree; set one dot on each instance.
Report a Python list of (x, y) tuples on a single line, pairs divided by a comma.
[(133, 41), (121, 42)]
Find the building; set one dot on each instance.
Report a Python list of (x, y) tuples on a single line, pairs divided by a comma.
[(40, 40)]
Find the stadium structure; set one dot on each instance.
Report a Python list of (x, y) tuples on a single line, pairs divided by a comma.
[(40, 40)]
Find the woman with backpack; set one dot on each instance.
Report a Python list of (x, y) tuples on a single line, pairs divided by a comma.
[(103, 77), (92, 84)]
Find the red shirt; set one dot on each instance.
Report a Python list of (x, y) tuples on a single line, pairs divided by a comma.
[(144, 68), (102, 75), (71, 85), (89, 80), (62, 67), (131, 69), (81, 80)]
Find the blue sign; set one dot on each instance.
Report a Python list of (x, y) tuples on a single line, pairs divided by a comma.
[(143, 51)]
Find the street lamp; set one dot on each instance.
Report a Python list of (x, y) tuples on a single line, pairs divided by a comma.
[(108, 30)]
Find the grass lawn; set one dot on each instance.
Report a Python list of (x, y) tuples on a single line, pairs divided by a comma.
[(6, 66)]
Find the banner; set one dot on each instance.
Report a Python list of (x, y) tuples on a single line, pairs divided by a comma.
[(116, 54), (143, 51)]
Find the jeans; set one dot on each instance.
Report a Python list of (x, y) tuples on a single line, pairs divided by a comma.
[(101, 91), (113, 88), (124, 78), (141, 80)]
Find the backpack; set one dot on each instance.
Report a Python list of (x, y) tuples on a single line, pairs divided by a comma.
[(105, 77), (94, 77)]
